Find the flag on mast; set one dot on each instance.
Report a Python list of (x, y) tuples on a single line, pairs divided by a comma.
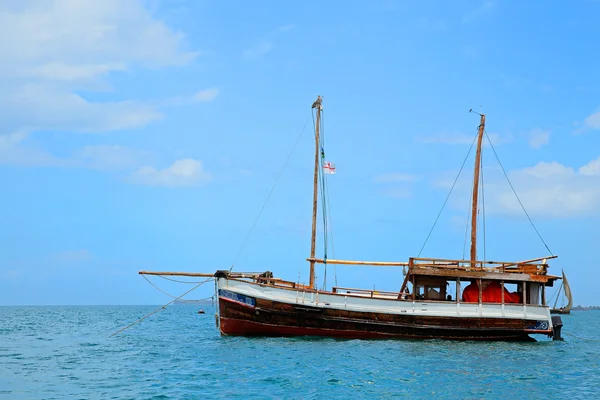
[(328, 168)]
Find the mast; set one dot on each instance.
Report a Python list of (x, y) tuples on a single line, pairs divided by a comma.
[(313, 239), (476, 192)]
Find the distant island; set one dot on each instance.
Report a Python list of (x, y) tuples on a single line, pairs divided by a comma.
[(192, 302), (585, 308)]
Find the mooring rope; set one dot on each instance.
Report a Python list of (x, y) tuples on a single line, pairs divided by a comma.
[(161, 308), (581, 338), (176, 280)]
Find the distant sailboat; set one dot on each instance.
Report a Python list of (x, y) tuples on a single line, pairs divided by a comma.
[(566, 293)]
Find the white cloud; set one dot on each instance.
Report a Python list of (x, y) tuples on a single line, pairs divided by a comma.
[(397, 192), (396, 185), (478, 12), (58, 48), (285, 28), (13, 151), (185, 172), (395, 177), (538, 138), (547, 189), (206, 95), (73, 256), (591, 169), (593, 121), (260, 49), (265, 45), (110, 157)]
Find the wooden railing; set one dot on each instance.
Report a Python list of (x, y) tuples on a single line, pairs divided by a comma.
[(371, 293), (533, 266)]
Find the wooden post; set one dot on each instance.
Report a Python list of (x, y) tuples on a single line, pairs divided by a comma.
[(458, 290), (543, 294), (313, 240), (502, 289), (480, 289), (476, 193), (524, 293)]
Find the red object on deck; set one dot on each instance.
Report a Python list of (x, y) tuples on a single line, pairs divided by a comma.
[(471, 293), (492, 293)]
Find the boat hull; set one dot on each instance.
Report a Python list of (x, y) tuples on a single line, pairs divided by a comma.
[(243, 315), (559, 311)]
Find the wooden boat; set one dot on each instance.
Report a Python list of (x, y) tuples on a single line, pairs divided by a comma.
[(258, 304), (566, 291)]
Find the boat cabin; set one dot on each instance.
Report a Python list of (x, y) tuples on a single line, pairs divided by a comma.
[(463, 281)]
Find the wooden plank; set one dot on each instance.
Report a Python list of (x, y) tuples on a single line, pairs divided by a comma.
[(206, 275), (480, 275), (505, 263)]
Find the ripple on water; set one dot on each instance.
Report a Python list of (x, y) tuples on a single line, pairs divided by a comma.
[(179, 355)]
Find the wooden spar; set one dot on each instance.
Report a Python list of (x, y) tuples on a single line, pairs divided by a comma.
[(403, 264), (503, 263), (528, 261), (205, 275), (313, 239), (352, 262), (476, 192)]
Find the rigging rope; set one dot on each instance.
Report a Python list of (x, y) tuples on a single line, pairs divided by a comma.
[(515, 192), (447, 197), (332, 242), (268, 196), (482, 204), (326, 191), (467, 227), (175, 280), (160, 308), (322, 180), (157, 288)]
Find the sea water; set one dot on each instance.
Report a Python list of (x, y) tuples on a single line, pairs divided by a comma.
[(66, 353)]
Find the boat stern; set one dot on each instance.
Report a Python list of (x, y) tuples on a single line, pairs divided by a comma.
[(556, 327)]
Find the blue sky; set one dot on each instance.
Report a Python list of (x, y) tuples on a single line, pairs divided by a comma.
[(147, 135)]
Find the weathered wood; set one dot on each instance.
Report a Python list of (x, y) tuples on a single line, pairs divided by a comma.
[(336, 289), (273, 318), (313, 239), (481, 274), (476, 192), (252, 275), (505, 263), (352, 262), (530, 261)]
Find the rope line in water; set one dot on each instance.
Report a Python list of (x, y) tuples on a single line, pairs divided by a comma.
[(160, 308), (581, 338)]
